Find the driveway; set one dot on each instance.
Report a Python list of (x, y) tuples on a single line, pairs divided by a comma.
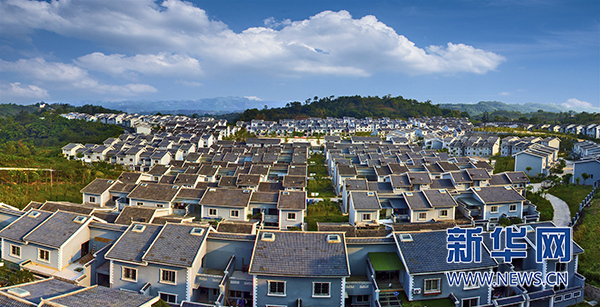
[(562, 214)]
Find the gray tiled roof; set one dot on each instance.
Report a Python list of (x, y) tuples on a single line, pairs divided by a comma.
[(56, 229), (154, 191), (439, 198), (43, 289), (99, 296), (500, 179), (270, 186), (442, 184), (131, 214), (265, 197), (498, 194), (98, 186), (226, 197), (51, 206), (232, 236), (419, 177), (132, 245), (416, 201), (426, 254), (300, 254), (244, 227), (365, 200), (294, 181), (295, 200), (121, 187), (191, 193), (176, 246), (11, 301), (129, 177), (23, 225), (356, 184)]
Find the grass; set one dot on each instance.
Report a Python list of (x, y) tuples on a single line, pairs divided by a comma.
[(322, 186), (319, 167), (19, 195), (572, 194), (504, 164), (586, 235), (324, 211), (543, 206)]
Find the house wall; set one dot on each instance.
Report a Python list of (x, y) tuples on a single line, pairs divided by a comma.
[(297, 288), (284, 223), (503, 208), (149, 203), (29, 252), (219, 251), (592, 168), (446, 289), (225, 213), (72, 250), (522, 161), (150, 274), (432, 214)]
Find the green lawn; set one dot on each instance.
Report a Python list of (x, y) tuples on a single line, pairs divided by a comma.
[(586, 235), (572, 194), (504, 164), (324, 211), (322, 186), (543, 206), (318, 167)]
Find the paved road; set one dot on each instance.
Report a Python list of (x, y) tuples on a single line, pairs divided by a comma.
[(562, 214)]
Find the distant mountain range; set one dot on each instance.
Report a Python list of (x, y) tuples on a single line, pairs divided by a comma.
[(218, 105), (491, 106)]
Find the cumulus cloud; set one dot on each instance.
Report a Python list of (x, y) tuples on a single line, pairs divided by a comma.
[(164, 34), (576, 103), (163, 64), (68, 76), (18, 91)]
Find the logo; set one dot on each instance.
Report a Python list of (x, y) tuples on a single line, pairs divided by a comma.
[(552, 243)]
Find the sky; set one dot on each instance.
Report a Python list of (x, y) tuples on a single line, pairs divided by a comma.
[(514, 51)]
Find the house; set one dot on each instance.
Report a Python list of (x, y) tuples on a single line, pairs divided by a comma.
[(425, 262), (430, 205), (589, 165), (223, 203), (70, 150), (156, 195), (536, 160), (292, 209), (363, 208), (55, 292), (98, 192), (489, 204), (49, 244), (282, 276), (142, 260)]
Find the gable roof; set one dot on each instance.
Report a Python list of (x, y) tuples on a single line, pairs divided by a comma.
[(426, 254), (154, 192), (98, 296), (132, 245), (295, 200), (56, 229), (23, 225), (365, 200), (498, 194), (98, 186), (300, 254), (226, 197), (131, 214), (175, 245)]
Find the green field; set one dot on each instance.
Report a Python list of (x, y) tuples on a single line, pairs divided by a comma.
[(543, 206), (586, 235), (504, 164), (572, 194), (324, 211)]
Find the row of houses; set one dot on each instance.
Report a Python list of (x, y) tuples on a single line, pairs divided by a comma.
[(591, 130), (195, 264)]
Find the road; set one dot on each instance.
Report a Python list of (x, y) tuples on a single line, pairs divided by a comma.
[(562, 214)]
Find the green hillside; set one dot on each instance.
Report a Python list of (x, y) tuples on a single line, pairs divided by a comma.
[(351, 106), (491, 106)]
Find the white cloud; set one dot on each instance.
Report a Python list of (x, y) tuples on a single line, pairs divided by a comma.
[(253, 98), (190, 83), (17, 91), (576, 103), (163, 64), (163, 35), (68, 76), (504, 93)]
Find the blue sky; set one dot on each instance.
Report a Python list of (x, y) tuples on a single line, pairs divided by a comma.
[(446, 51)]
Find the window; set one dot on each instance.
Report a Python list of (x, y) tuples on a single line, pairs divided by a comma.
[(432, 285), (160, 206), (43, 255), (494, 209), (362, 298), (291, 216), (512, 208), (129, 274), (577, 294), (366, 216), (321, 289), (168, 276), (561, 266), (234, 213), (568, 296), (139, 203), (212, 212), (15, 251), (558, 299), (276, 288), (470, 302), (168, 297), (470, 286), (422, 216), (92, 199), (444, 213)]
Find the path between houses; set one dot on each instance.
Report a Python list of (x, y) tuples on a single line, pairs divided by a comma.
[(562, 214)]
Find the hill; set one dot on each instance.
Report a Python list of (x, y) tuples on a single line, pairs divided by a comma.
[(351, 106), (491, 106), (11, 109)]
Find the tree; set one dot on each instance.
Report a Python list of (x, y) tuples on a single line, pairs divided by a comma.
[(577, 180), (486, 117), (528, 169), (585, 177), (567, 178)]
